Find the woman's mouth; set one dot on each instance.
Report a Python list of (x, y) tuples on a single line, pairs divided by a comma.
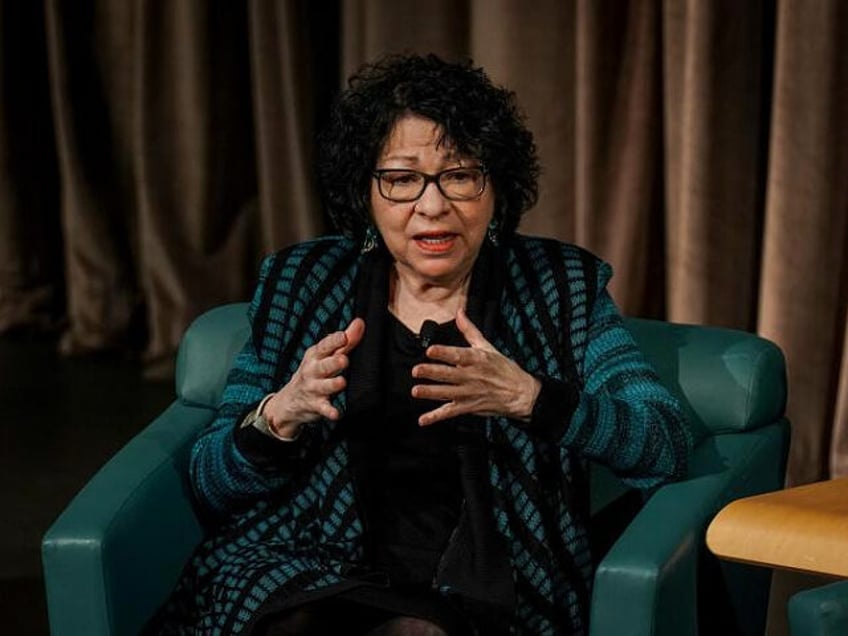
[(435, 242)]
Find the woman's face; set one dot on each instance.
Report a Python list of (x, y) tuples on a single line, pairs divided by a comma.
[(433, 238)]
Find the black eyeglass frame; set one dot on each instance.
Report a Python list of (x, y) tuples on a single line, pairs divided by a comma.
[(428, 179)]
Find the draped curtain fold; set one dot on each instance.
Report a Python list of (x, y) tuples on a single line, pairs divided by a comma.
[(803, 292), (31, 280), (151, 153)]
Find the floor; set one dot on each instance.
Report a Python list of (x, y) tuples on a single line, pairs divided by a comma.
[(61, 420)]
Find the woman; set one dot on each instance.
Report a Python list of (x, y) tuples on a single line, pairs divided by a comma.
[(401, 447)]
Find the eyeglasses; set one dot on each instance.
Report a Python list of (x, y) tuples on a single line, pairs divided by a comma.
[(456, 184)]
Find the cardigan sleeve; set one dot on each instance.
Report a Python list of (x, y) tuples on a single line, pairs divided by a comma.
[(231, 467), (622, 415)]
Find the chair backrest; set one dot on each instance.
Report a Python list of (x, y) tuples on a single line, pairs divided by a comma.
[(207, 351), (728, 380)]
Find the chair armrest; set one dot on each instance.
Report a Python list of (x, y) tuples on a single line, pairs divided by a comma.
[(647, 582), (822, 611), (115, 553)]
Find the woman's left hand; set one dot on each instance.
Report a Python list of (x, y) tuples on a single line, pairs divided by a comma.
[(477, 380)]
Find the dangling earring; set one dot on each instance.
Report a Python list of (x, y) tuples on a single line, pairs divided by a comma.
[(492, 232), (369, 242)]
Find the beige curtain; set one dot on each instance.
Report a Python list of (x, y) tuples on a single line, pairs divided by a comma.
[(183, 135), (697, 146), (700, 147), (803, 293)]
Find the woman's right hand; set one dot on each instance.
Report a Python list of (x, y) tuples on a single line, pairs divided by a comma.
[(307, 395)]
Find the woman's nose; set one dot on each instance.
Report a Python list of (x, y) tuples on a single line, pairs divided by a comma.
[(431, 202)]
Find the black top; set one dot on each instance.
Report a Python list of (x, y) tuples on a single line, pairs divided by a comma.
[(408, 482)]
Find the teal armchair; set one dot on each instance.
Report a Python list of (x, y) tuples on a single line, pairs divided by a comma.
[(821, 611), (115, 553)]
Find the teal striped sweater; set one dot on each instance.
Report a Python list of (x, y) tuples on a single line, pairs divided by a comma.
[(284, 516)]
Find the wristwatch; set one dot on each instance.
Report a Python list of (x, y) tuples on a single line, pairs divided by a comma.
[(257, 420)]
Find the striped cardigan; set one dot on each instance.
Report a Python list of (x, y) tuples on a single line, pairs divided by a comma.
[(286, 519)]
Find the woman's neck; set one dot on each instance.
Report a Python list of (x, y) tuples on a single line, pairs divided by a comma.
[(413, 300)]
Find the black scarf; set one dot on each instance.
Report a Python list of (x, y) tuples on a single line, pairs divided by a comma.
[(475, 565)]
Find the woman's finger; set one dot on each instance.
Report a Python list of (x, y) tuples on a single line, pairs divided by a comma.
[(438, 373), (328, 345), (444, 412), (452, 355), (440, 392), (329, 366), (328, 386), (327, 410), (354, 333), (472, 334)]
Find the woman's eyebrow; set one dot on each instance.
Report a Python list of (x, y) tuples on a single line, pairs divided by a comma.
[(413, 159), (406, 158)]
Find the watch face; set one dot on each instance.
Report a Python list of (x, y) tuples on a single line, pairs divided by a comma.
[(262, 424), (258, 422)]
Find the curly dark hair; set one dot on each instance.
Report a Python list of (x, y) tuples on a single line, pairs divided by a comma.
[(480, 119)]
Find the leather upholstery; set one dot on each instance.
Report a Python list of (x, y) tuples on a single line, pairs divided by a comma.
[(732, 382), (206, 353), (822, 611)]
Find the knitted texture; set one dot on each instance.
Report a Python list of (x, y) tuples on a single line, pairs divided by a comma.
[(292, 528)]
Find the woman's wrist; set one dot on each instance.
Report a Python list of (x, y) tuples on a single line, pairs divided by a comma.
[(262, 446), (288, 432), (526, 402), (282, 428), (262, 420)]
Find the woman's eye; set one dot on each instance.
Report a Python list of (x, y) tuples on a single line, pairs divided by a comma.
[(458, 176), (401, 179)]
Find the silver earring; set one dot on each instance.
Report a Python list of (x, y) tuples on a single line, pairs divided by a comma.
[(370, 241), (492, 233)]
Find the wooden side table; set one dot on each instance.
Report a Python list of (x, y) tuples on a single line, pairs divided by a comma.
[(804, 528)]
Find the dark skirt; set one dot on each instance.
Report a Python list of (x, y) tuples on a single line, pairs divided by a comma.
[(360, 609)]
